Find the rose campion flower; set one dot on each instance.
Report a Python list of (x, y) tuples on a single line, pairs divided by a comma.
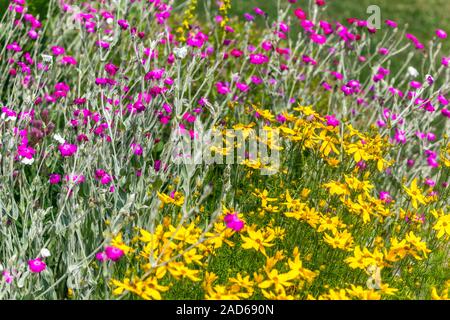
[(233, 222), (137, 149), (7, 276), (441, 34), (57, 51), (54, 178), (385, 196), (257, 58), (114, 253), (400, 136), (101, 256), (332, 121), (67, 149), (36, 265)]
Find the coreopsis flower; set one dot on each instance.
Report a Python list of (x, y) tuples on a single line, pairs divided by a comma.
[(415, 193), (36, 265), (67, 149)]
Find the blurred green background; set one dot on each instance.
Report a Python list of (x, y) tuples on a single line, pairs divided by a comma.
[(422, 16)]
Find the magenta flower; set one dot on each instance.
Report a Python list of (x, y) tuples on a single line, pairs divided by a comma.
[(259, 11), (441, 34), (101, 256), (257, 58), (25, 151), (300, 14), (69, 60), (391, 23), (383, 51), (54, 178), (222, 88), (8, 277), (445, 61), (67, 149), (242, 86), (332, 121), (57, 51), (385, 196), (36, 265), (114, 253), (400, 136), (111, 69), (137, 149), (233, 222)]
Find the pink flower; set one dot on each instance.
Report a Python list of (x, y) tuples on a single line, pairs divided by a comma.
[(25, 151), (233, 222), (332, 121), (242, 86), (441, 34), (67, 149), (257, 58), (114, 253), (383, 51), (36, 265), (57, 51), (391, 23), (111, 69), (400, 136), (137, 149), (300, 14), (259, 11), (68, 60), (385, 196), (101, 256), (54, 178), (7, 276), (222, 88), (445, 61)]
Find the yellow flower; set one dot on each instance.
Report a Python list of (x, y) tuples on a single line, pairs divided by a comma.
[(436, 296), (415, 193), (257, 240), (264, 196), (118, 243), (178, 270), (279, 281), (296, 267), (442, 226), (178, 199), (328, 143), (359, 292), (340, 240)]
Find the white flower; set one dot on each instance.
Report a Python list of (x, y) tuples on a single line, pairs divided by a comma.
[(45, 253), (180, 53), (27, 161), (58, 138), (413, 72)]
